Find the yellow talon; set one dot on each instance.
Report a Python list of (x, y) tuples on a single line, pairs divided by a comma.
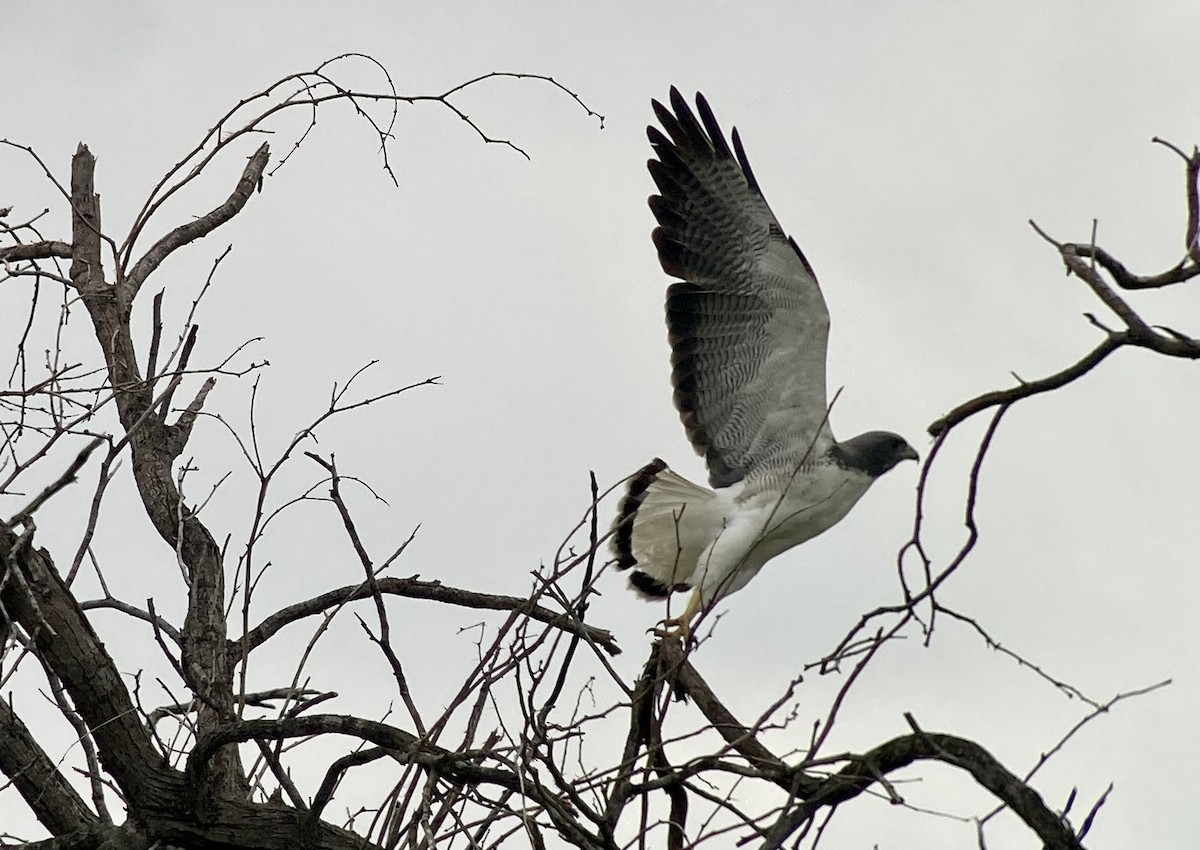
[(673, 628), (680, 627)]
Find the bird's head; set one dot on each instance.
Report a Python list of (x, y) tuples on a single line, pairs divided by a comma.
[(874, 452)]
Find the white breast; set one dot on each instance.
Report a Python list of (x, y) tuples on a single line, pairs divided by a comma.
[(814, 501), (761, 523)]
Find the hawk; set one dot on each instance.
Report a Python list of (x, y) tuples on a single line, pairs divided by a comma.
[(748, 329)]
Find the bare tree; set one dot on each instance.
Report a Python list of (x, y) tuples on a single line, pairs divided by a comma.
[(506, 761)]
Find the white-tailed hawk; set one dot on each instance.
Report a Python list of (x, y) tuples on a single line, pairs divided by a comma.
[(748, 329)]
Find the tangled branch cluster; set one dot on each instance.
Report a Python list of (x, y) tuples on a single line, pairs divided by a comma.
[(507, 759)]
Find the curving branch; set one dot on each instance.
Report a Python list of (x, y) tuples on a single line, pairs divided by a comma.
[(309, 90), (414, 588), (871, 767), (459, 766), (1188, 267), (1137, 332), (668, 665), (189, 232), (1126, 279), (155, 620), (1025, 389)]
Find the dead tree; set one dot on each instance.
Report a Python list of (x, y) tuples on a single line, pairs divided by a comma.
[(506, 762)]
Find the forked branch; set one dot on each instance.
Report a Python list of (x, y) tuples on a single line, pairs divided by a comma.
[(190, 231), (1081, 260)]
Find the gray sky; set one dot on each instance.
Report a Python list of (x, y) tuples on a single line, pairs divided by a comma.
[(904, 146)]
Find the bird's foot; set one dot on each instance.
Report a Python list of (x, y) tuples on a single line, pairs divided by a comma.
[(680, 628), (674, 628)]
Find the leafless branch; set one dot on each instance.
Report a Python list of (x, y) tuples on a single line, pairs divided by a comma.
[(414, 588), (863, 771), (68, 477), (190, 231), (34, 251)]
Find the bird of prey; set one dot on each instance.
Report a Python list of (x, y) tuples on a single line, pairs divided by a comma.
[(748, 329)]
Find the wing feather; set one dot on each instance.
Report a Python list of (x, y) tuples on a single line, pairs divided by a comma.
[(748, 325)]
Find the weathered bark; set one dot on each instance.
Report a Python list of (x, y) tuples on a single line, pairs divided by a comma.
[(35, 251), (53, 800), (155, 795), (66, 642), (155, 445)]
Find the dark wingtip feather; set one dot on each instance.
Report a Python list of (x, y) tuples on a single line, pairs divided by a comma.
[(744, 162), (664, 115), (657, 139), (712, 127), (686, 139), (678, 103), (638, 485), (665, 172)]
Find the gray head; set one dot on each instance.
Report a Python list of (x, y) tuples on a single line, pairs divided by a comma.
[(874, 452)]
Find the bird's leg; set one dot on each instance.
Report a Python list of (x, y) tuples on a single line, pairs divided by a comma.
[(681, 627)]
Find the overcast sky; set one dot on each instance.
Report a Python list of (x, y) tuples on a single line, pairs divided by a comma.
[(904, 146)]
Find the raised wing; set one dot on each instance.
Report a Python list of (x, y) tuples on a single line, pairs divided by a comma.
[(748, 325)]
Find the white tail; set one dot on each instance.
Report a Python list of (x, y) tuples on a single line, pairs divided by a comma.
[(664, 524)]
